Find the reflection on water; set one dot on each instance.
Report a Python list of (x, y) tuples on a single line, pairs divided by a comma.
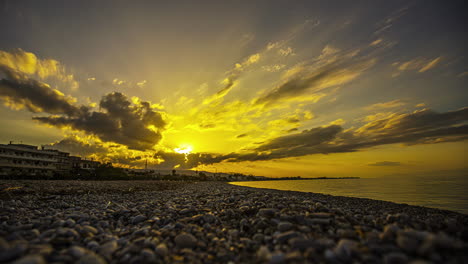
[(444, 192)]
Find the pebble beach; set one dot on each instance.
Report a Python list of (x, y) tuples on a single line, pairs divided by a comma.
[(214, 222)]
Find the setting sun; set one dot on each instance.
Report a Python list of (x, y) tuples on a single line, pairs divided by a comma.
[(184, 149)]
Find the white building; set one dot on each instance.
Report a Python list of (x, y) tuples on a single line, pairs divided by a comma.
[(26, 159), (22, 159)]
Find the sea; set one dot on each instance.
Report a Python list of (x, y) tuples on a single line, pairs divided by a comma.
[(443, 192)]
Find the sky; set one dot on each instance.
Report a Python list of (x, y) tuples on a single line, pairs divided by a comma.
[(272, 88)]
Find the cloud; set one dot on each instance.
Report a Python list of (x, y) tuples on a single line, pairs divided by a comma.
[(385, 105), (230, 81), (420, 127), (28, 64), (418, 64), (18, 91), (312, 80), (76, 146), (376, 42), (137, 126), (385, 164), (286, 51), (430, 65), (273, 68)]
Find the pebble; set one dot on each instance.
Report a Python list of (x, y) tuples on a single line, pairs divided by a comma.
[(77, 251), (395, 258), (185, 241), (30, 259), (267, 212), (162, 250), (284, 237), (91, 258), (215, 222), (285, 226), (138, 219)]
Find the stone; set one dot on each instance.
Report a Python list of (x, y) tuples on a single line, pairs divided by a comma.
[(345, 248), (91, 259), (301, 243), (263, 254), (138, 219), (185, 240), (30, 259), (277, 258), (285, 226), (108, 248), (395, 258), (284, 237), (77, 251), (267, 212), (162, 250), (90, 229)]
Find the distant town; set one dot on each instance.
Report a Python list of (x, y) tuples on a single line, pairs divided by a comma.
[(22, 161)]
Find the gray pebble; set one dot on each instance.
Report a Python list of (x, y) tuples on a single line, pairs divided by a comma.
[(285, 226), (162, 250), (395, 258), (138, 219), (185, 240), (30, 259)]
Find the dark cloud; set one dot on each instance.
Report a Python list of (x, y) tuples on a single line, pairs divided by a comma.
[(305, 139), (183, 161), (421, 127), (136, 125), (241, 135), (75, 146), (18, 90), (121, 122), (385, 163)]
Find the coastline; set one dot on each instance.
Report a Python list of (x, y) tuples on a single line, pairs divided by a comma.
[(212, 222)]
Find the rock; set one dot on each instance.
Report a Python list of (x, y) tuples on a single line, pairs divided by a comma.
[(301, 243), (277, 258), (138, 219), (395, 258), (162, 250), (263, 254), (108, 249), (91, 259), (285, 226), (410, 240), (89, 229), (258, 237), (148, 254), (30, 259), (209, 218), (77, 251), (13, 252), (284, 237), (345, 248), (320, 215), (389, 232), (319, 221), (185, 240), (267, 212)]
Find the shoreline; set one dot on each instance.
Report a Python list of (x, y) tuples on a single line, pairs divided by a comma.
[(212, 222), (355, 197)]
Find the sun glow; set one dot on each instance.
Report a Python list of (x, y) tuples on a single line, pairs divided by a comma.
[(184, 149)]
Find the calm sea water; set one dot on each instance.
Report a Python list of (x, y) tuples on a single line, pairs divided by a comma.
[(450, 192)]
